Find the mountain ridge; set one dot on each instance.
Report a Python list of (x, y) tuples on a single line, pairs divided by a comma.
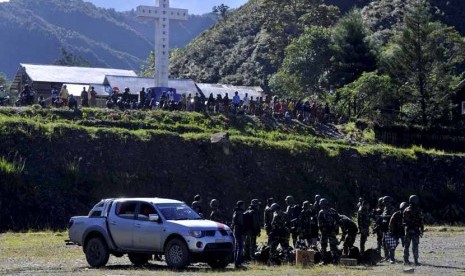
[(34, 31)]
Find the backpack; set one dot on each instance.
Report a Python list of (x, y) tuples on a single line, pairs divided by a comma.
[(248, 220)]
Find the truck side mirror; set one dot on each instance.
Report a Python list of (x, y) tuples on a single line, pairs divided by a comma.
[(154, 217)]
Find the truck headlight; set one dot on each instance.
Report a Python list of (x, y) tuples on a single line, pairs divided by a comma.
[(196, 233)]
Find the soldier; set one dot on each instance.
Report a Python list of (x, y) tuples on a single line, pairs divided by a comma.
[(328, 222), (349, 233), (268, 216), (359, 203), (216, 214), (252, 229), (316, 204), (388, 211), (413, 222), (196, 205), (305, 223), (279, 234), (363, 219), (238, 231), (314, 231), (377, 227), (397, 231), (292, 212)]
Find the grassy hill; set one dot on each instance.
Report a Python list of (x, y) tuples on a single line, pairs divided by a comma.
[(64, 162)]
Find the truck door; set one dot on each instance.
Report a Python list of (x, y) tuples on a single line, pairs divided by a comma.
[(121, 223), (147, 234)]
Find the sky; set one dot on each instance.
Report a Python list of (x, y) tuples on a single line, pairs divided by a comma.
[(194, 6)]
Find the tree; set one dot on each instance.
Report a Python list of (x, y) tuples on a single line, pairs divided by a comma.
[(221, 10), (423, 59), (147, 69), (305, 64), (353, 52), (69, 59), (371, 96), (4, 84)]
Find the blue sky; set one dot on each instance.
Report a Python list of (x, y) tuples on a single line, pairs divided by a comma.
[(194, 6)]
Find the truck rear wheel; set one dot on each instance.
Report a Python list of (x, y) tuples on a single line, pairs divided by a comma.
[(97, 253), (177, 254), (139, 259)]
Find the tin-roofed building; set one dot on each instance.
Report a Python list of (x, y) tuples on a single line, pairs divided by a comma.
[(135, 84), (43, 78)]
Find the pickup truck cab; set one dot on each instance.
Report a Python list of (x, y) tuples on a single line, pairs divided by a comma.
[(143, 227)]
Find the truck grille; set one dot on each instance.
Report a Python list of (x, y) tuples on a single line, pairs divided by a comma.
[(216, 246)]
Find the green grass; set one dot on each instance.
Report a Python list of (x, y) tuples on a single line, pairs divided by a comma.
[(145, 125)]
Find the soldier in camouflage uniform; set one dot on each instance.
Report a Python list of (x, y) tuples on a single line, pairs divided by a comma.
[(328, 223), (268, 215), (378, 221), (396, 228), (305, 223), (388, 211), (254, 232), (216, 214), (316, 204), (363, 219), (413, 222), (293, 211), (349, 233), (279, 234)]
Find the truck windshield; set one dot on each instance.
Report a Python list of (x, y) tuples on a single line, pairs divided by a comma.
[(177, 211)]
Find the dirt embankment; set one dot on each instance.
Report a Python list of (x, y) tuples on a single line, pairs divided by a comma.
[(66, 173)]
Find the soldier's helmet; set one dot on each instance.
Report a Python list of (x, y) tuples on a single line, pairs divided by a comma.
[(317, 198), (214, 203), (255, 202), (324, 203), (414, 199), (275, 207), (381, 201), (306, 205), (403, 205), (387, 200), (289, 199)]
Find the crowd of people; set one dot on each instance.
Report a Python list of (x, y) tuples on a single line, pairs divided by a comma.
[(316, 225), (280, 108)]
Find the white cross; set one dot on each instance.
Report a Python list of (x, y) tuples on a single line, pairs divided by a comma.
[(162, 13)]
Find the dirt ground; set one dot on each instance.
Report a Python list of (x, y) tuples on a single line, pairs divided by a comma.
[(441, 252)]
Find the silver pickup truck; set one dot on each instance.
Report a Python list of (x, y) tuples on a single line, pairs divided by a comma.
[(143, 227)]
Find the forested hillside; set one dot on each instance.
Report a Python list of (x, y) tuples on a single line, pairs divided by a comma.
[(391, 61), (34, 31)]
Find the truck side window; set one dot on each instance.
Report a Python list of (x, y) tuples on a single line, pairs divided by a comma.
[(126, 210), (146, 210)]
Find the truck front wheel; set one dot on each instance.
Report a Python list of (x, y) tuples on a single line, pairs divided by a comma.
[(177, 254), (97, 253)]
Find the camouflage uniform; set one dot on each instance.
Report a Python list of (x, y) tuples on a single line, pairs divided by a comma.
[(279, 234), (388, 211), (377, 227), (363, 219), (251, 234), (217, 215), (413, 222), (328, 222), (349, 232), (305, 224), (268, 217)]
